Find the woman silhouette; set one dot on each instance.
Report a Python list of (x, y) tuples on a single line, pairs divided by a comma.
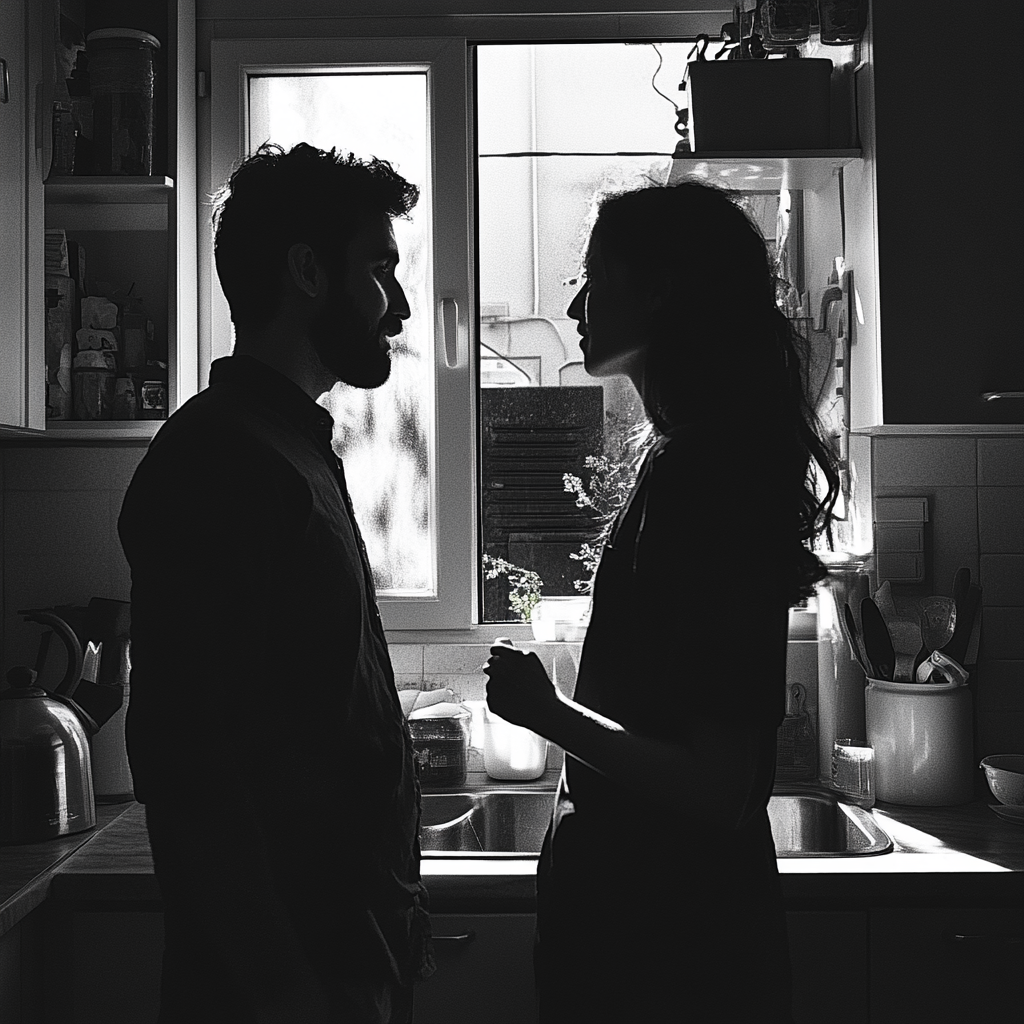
[(658, 891)]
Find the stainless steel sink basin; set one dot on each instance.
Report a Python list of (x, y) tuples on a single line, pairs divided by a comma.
[(511, 823), (505, 822), (817, 824)]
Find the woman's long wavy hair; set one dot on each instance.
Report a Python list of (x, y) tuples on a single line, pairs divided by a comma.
[(722, 354)]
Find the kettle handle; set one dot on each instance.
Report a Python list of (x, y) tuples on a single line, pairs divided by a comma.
[(76, 658)]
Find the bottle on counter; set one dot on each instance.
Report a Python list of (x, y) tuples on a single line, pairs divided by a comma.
[(512, 752)]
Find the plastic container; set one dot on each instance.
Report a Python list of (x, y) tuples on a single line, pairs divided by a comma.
[(560, 618), (760, 105), (512, 752), (442, 748), (840, 677), (922, 736), (853, 771), (121, 78)]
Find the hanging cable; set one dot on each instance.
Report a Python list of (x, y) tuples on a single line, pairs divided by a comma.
[(657, 70)]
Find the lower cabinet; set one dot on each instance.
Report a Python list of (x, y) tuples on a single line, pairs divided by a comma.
[(891, 966), (946, 966), (828, 951), (484, 971), (103, 966)]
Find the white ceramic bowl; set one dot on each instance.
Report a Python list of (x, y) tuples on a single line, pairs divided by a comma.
[(1005, 774)]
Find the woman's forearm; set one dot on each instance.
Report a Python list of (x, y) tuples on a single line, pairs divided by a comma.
[(712, 771)]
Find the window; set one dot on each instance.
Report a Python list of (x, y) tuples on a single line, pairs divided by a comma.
[(414, 504), (510, 143)]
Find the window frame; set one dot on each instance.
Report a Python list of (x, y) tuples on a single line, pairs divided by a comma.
[(261, 45), (445, 61)]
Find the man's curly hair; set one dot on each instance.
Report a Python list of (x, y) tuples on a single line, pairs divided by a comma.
[(274, 199)]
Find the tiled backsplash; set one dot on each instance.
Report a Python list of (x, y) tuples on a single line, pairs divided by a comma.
[(459, 667), (975, 488), (59, 507)]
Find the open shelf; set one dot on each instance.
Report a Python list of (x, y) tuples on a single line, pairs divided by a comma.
[(114, 189), (769, 171), (102, 430)]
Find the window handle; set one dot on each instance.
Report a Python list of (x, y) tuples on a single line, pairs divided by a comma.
[(991, 396), (5, 82), (450, 332), (466, 937)]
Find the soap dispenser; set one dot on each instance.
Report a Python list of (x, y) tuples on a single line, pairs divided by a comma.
[(796, 746)]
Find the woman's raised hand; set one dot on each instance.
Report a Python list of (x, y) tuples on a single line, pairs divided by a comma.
[(518, 688)]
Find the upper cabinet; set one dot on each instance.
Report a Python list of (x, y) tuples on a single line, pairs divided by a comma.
[(20, 390), (949, 254), (107, 194)]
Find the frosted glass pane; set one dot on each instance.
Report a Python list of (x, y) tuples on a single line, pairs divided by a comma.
[(385, 436)]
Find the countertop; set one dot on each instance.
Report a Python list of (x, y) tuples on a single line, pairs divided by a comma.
[(944, 856)]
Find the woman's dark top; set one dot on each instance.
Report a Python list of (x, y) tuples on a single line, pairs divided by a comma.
[(645, 912)]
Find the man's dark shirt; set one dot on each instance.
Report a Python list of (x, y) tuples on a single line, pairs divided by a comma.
[(260, 672)]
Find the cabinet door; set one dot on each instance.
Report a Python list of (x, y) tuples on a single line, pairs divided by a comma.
[(826, 947), (484, 971), (937, 966), (14, 241), (949, 256), (110, 966)]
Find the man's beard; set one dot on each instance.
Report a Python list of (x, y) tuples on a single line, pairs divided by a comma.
[(349, 346)]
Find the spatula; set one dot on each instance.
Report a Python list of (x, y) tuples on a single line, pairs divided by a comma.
[(938, 621), (886, 605), (853, 638), (906, 641), (877, 642)]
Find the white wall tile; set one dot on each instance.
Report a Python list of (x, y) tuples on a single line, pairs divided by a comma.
[(1000, 686), (1002, 577), (56, 550), (1000, 732), (1000, 461), (408, 681), (1002, 633), (453, 659), (904, 462), (73, 467), (1001, 519), (467, 686), (119, 580), (406, 659)]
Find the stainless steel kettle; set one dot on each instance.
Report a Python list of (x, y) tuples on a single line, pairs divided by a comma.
[(46, 786)]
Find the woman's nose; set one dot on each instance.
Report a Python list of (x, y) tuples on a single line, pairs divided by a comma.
[(577, 308)]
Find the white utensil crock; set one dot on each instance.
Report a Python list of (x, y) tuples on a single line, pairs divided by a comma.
[(922, 737)]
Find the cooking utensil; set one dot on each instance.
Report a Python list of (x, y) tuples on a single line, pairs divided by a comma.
[(961, 581), (906, 641), (937, 616), (877, 642), (946, 668), (967, 610), (853, 638), (886, 605)]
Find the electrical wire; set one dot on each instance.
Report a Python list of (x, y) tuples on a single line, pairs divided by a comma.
[(661, 61)]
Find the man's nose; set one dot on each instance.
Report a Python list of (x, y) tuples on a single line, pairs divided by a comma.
[(398, 304)]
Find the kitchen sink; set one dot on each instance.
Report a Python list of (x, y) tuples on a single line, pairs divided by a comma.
[(817, 824), (506, 822), (511, 823)]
